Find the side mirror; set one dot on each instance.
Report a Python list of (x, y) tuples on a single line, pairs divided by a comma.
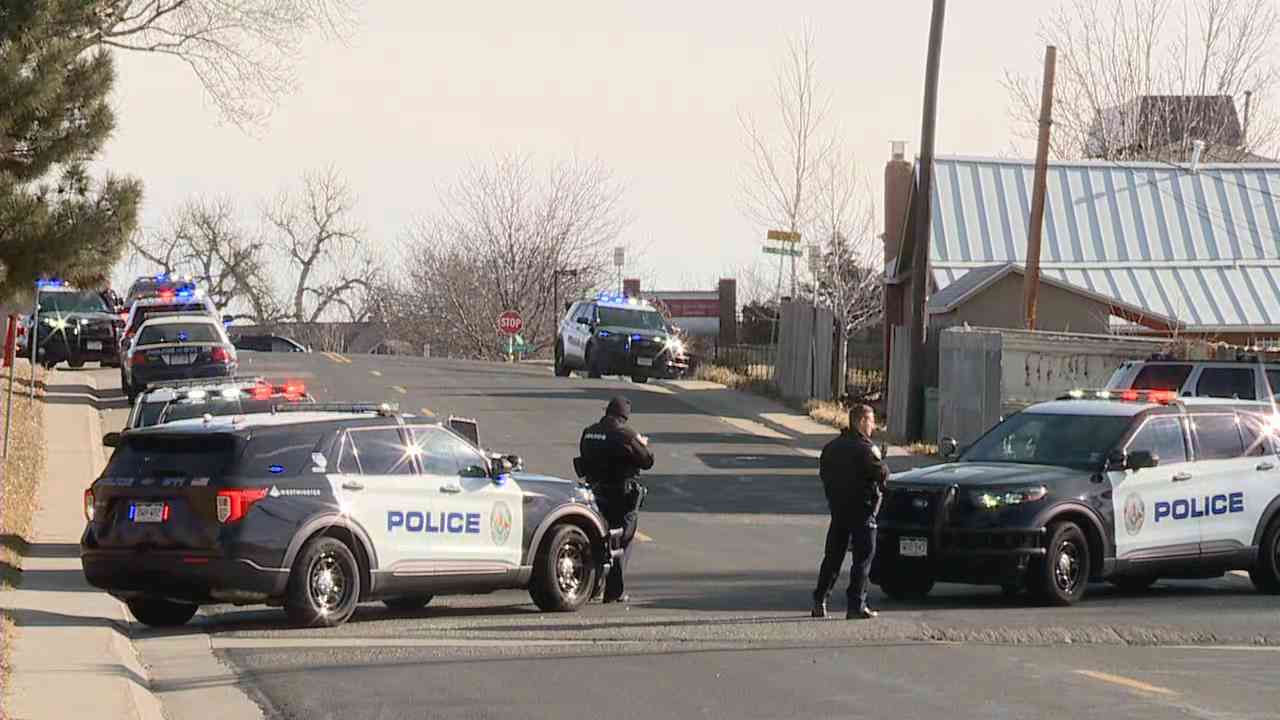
[(584, 321), (948, 447), (111, 440), (515, 462)]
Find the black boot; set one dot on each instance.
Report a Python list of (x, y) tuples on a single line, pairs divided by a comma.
[(819, 608), (863, 613)]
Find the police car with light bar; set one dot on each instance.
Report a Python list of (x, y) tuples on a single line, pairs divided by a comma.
[(1126, 487), (71, 325), (618, 335), (184, 399), (320, 507), (177, 347)]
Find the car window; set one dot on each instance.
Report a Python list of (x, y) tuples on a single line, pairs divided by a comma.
[(1238, 383), (172, 455), (381, 452), (1163, 438), (442, 453), (1081, 441), (1273, 378), (1161, 377), (84, 301), (178, 333), (348, 464), (631, 318), (278, 345), (1258, 434), (279, 452), (1218, 437)]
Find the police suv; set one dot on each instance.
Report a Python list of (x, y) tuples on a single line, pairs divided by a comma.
[(320, 507), (618, 335), (72, 325), (1126, 487), (184, 399), (177, 347)]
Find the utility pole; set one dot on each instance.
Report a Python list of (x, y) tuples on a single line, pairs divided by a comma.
[(1031, 278), (922, 216)]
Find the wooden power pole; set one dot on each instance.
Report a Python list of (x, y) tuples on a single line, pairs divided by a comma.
[(1031, 279), (922, 213)]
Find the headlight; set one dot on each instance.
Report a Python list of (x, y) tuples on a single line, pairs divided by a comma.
[(995, 498), (675, 346), (88, 505), (56, 323)]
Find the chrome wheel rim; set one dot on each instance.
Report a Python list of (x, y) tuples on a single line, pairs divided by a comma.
[(571, 569), (1066, 571), (328, 583)]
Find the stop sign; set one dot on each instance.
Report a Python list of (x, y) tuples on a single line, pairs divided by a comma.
[(510, 322)]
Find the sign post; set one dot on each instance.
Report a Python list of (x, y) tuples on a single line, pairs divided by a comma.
[(10, 344), (510, 324), (619, 259)]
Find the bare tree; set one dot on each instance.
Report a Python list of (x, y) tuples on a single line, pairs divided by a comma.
[(242, 51), (777, 189), (319, 250), (505, 228), (1144, 79), (849, 277)]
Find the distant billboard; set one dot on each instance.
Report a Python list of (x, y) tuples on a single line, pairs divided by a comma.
[(697, 313)]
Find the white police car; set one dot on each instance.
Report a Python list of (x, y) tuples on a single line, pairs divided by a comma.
[(618, 335), (1126, 486), (184, 399), (319, 507)]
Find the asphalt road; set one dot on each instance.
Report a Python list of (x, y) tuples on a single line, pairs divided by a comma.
[(718, 625)]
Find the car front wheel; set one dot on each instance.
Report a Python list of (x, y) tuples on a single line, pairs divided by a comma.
[(561, 369), (564, 574), (1063, 575), (1265, 573)]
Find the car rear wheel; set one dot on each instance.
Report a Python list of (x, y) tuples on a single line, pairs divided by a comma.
[(1063, 575), (564, 573), (408, 603), (593, 364), (324, 584), (640, 379), (561, 369), (158, 612), (75, 364), (1265, 573)]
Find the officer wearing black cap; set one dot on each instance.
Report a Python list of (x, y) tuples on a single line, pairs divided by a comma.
[(854, 478), (612, 456)]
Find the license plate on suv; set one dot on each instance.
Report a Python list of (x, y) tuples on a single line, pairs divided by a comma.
[(644, 362), (146, 512), (180, 358), (93, 344), (913, 547)]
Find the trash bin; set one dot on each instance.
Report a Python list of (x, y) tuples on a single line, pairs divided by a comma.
[(930, 434)]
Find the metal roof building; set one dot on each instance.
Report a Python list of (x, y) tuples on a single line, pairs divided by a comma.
[(1193, 250)]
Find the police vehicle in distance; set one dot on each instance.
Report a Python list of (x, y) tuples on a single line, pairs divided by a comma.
[(186, 298), (618, 335), (150, 286), (1246, 378), (318, 508), (1127, 487), (71, 325), (183, 399), (177, 347)]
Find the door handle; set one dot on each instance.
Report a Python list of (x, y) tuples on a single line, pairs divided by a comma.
[(451, 489), (1265, 466), (1182, 477), (352, 485)]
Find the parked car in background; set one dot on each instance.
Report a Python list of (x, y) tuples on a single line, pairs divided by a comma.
[(1244, 379), (267, 343)]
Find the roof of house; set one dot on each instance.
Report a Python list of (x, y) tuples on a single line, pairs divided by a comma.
[(1202, 248)]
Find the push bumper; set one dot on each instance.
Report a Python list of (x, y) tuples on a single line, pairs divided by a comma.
[(76, 347), (976, 557), (184, 576), (618, 359)]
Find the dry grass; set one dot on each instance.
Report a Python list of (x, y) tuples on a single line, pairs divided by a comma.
[(22, 472), (828, 412), (920, 448), (736, 380)]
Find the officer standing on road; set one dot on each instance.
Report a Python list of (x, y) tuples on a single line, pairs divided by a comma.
[(854, 478), (612, 455)]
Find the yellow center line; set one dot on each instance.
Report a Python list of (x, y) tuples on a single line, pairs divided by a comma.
[(336, 358), (641, 537), (376, 373), (427, 411), (399, 389), (1125, 682)]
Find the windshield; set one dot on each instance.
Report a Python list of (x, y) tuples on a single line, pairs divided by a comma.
[(178, 333), (626, 317), (85, 301), (1079, 441)]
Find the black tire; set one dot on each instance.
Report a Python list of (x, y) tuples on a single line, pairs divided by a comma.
[(561, 369), (639, 379), (1133, 583), (1265, 572), (593, 366), (1062, 577), (408, 603), (158, 612), (75, 364), (324, 584), (902, 588), (564, 573)]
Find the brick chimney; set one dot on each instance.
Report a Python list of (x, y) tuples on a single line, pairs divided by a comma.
[(631, 287), (897, 192)]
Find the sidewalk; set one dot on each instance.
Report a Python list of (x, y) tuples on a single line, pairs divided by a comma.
[(71, 657)]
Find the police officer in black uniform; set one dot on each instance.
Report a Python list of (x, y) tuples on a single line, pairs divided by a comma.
[(854, 478), (612, 456)]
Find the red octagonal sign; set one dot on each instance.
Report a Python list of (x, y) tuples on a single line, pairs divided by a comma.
[(510, 322)]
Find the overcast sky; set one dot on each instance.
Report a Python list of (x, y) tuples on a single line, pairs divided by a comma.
[(652, 89)]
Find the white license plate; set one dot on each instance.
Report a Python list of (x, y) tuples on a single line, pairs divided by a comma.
[(180, 358), (148, 512), (644, 362), (93, 345), (913, 547)]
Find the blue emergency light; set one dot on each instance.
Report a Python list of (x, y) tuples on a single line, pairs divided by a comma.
[(50, 283)]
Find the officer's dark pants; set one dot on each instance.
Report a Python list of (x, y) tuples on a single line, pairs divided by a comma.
[(849, 527), (620, 512)]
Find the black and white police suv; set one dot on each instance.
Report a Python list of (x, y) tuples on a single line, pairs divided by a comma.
[(320, 507), (1125, 487), (618, 335), (185, 399)]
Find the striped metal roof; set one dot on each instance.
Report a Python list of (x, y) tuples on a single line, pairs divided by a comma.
[(1201, 249)]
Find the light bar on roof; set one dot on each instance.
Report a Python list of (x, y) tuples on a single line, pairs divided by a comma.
[(46, 283), (1163, 397)]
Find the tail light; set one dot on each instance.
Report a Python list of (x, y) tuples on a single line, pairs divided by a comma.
[(261, 392), (220, 355), (88, 505), (294, 389), (233, 504), (137, 359)]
